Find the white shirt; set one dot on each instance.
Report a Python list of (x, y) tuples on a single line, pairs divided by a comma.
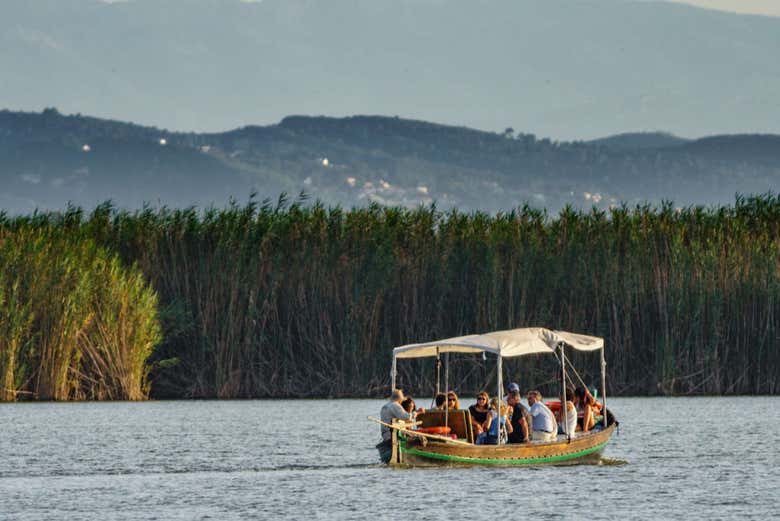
[(571, 417), (542, 417)]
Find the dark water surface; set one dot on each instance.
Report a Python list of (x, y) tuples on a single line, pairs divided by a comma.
[(699, 458)]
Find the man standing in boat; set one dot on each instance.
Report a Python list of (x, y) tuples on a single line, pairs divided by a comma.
[(544, 426), (390, 411)]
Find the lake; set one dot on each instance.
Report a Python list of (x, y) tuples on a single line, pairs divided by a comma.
[(703, 458)]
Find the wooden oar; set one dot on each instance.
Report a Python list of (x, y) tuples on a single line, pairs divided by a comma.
[(416, 433)]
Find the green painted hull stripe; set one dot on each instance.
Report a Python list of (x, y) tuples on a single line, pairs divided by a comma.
[(507, 461)]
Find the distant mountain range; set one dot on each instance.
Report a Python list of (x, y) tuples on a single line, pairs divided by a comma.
[(575, 69), (638, 140), (48, 159)]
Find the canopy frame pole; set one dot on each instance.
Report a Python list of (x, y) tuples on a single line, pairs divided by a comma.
[(604, 385), (565, 409), (393, 375), (500, 383), (438, 372), (447, 387)]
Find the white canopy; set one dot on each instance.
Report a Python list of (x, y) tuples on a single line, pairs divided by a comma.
[(513, 342)]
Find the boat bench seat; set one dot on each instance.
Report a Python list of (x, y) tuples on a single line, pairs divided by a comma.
[(459, 421)]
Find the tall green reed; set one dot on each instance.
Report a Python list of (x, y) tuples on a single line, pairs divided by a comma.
[(75, 323), (286, 299)]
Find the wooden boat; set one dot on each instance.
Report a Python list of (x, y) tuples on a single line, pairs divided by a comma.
[(412, 447)]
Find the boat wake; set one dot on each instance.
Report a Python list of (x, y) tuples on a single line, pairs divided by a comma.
[(608, 462), (181, 471), (288, 468)]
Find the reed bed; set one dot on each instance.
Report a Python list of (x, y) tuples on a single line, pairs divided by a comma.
[(75, 323), (286, 299)]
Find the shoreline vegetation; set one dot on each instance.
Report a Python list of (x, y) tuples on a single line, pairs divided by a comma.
[(299, 300)]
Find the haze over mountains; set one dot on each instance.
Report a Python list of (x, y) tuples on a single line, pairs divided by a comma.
[(543, 70), (48, 159), (573, 69)]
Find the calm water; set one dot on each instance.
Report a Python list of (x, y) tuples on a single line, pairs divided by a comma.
[(704, 458)]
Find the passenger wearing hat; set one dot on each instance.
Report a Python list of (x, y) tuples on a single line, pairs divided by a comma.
[(511, 388)]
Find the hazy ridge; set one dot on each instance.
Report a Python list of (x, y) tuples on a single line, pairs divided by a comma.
[(48, 159)]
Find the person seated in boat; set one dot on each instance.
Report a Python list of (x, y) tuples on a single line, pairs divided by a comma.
[(499, 423), (583, 401), (490, 435), (453, 403), (440, 402), (520, 421), (480, 417), (543, 424), (596, 406), (392, 410), (410, 407), (513, 387), (570, 418)]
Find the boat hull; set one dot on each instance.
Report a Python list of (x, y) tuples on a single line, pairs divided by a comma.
[(586, 448)]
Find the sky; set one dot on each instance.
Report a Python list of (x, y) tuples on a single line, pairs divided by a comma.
[(762, 7), (570, 69)]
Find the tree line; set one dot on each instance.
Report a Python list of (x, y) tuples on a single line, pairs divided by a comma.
[(287, 299)]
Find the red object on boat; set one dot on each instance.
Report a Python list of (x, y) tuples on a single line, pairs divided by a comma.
[(435, 430)]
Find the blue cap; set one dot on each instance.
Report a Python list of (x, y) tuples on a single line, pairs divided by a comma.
[(513, 388)]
